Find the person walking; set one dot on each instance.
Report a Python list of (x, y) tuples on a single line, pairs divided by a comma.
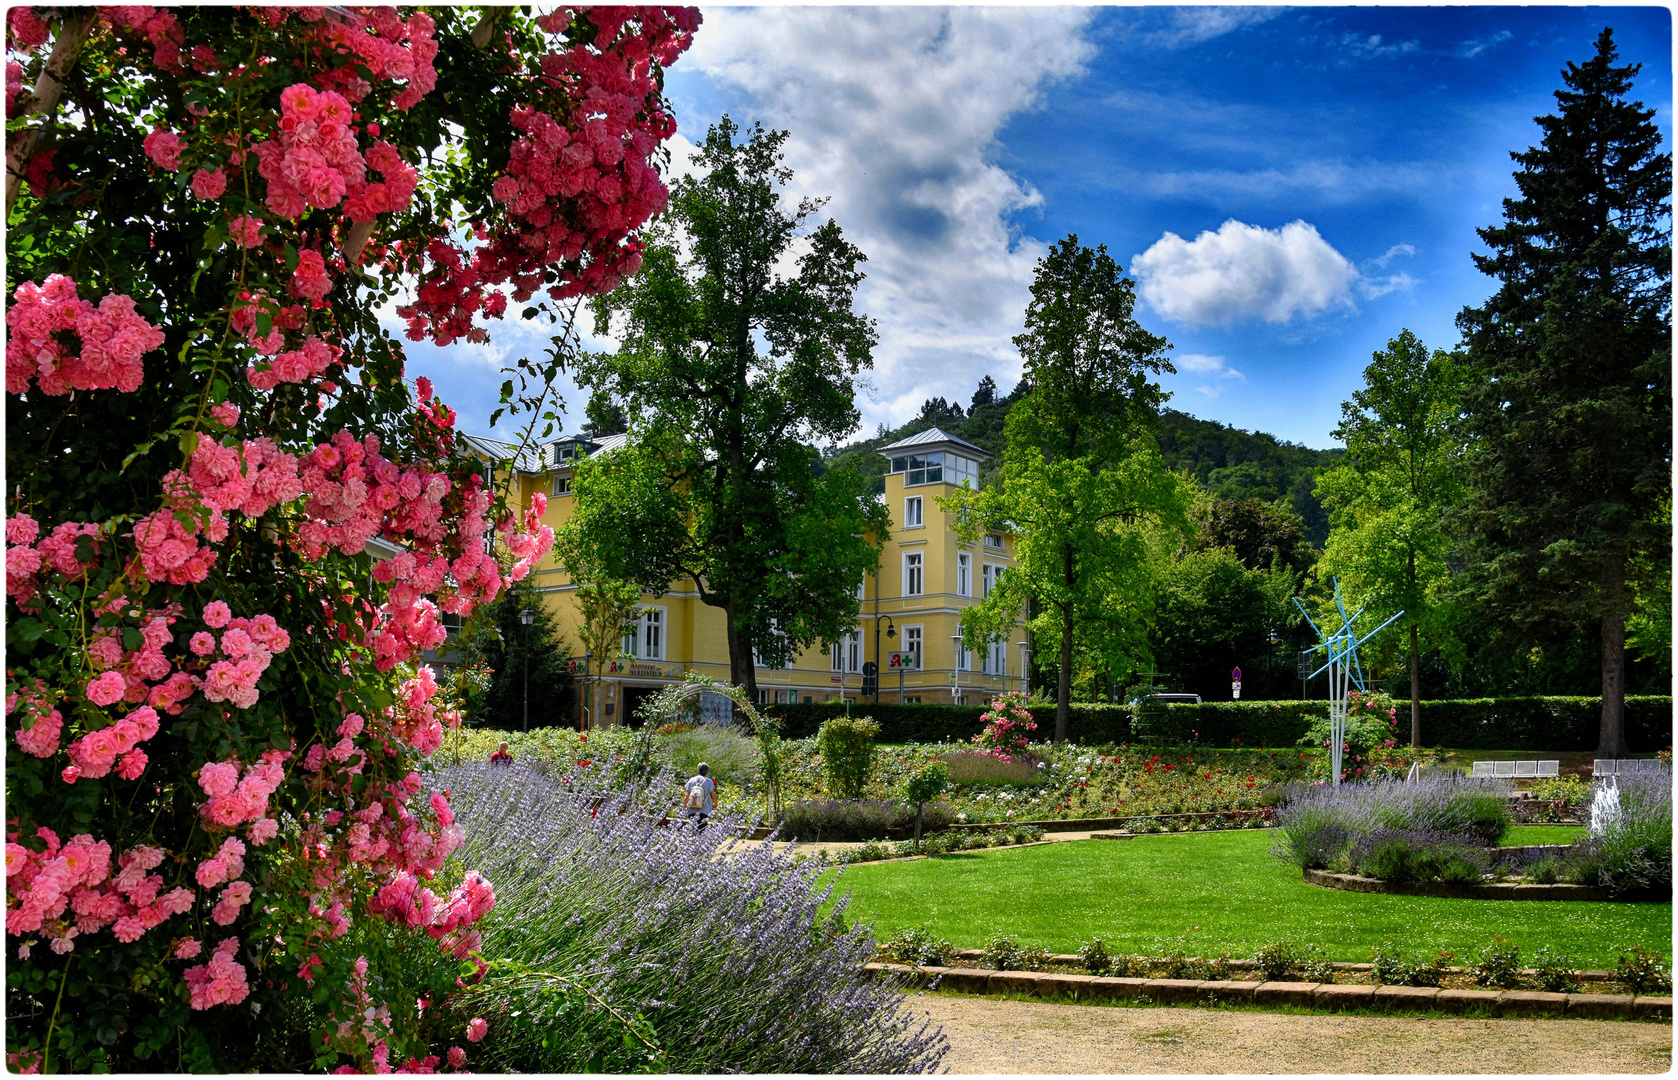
[(699, 797), (501, 756)]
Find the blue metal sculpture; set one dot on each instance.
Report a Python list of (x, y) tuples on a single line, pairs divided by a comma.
[(1344, 669)]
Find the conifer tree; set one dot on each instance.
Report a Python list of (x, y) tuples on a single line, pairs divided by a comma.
[(1568, 408)]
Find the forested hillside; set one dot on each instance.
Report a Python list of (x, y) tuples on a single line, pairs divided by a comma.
[(1228, 462)]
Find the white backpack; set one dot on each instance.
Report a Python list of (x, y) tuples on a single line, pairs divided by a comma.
[(695, 797)]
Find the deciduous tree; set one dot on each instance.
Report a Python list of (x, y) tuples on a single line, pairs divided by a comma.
[(1388, 497), (729, 372), (1081, 475)]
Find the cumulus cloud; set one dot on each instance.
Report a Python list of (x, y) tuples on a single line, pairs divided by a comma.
[(894, 113), (1243, 272), (1201, 364)]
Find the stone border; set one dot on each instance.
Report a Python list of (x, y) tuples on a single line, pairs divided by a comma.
[(1463, 891), (1249, 965), (1330, 997), (943, 854)]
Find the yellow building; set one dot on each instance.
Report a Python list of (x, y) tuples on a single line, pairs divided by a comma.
[(910, 612)]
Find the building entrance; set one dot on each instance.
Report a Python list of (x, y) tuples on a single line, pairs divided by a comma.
[(630, 703)]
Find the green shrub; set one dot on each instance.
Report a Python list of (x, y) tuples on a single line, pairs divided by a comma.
[(1095, 958), (1002, 952), (1546, 871), (846, 745), (1315, 965), (1459, 871), (731, 755), (1555, 971), (1643, 972), (919, 946), (1033, 958), (1394, 966), (1274, 961), (1499, 965)]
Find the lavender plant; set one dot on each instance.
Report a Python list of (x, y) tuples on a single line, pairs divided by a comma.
[(1635, 852), (693, 960), (1319, 824)]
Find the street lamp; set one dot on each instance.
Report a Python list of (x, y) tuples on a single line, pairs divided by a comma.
[(527, 617), (891, 632)]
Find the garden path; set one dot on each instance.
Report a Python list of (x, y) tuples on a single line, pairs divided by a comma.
[(988, 1035)]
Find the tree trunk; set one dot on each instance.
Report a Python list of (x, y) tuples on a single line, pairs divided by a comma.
[(1063, 689), (1612, 741), (1415, 688), (742, 665), (72, 35)]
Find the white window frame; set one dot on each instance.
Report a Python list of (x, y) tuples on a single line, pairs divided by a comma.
[(996, 658), (561, 486), (914, 641), (914, 513), (993, 575), (914, 573), (964, 574), (650, 622), (847, 654), (994, 541), (964, 658)]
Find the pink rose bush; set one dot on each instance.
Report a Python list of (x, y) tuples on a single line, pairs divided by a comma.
[(1006, 723), (211, 689)]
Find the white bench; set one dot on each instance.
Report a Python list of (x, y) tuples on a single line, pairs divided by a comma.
[(1518, 770), (1624, 766)]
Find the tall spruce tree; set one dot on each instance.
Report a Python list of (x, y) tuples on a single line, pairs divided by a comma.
[(1568, 407)]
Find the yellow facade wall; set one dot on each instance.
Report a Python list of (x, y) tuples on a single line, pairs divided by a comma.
[(695, 638)]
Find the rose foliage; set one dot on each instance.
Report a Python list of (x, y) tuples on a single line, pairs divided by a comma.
[(217, 854)]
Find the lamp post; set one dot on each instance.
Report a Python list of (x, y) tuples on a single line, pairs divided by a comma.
[(956, 668), (527, 617), (891, 632)]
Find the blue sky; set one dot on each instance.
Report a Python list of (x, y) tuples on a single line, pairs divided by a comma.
[(1290, 186)]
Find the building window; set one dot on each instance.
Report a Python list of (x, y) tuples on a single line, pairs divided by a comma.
[(912, 643), (993, 541), (562, 485), (964, 574), (763, 697), (960, 471), (996, 658), (912, 513), (912, 573), (847, 655), (645, 639), (964, 658), (928, 469), (993, 576), (757, 655)]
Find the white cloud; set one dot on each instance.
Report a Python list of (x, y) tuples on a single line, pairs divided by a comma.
[(1370, 286), (1243, 272), (894, 113), (1201, 364), (1181, 27), (1373, 48), (1473, 47)]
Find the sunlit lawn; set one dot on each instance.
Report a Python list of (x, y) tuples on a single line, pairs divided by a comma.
[(1225, 892)]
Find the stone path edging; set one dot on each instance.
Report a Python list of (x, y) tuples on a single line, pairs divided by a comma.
[(1328, 996), (1249, 965)]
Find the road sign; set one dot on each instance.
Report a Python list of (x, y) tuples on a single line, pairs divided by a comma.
[(902, 661), (1235, 688), (1235, 676), (1306, 664)]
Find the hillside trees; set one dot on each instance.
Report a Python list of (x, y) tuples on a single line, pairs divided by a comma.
[(1568, 407), (1081, 478), (729, 372), (1388, 497)]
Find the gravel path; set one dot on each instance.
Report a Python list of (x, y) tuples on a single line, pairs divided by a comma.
[(993, 1036)]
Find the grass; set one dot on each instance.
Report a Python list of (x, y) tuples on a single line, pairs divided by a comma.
[(1527, 835), (1220, 891)]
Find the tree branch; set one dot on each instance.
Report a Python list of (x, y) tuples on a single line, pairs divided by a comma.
[(72, 35)]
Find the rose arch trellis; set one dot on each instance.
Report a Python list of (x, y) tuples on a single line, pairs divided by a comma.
[(746, 718)]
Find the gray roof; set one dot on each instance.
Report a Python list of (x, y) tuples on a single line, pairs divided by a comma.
[(540, 457), (926, 440)]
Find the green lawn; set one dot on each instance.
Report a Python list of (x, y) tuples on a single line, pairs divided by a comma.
[(1225, 892)]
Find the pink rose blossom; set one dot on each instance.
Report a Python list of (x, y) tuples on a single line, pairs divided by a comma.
[(216, 614), (476, 1029), (107, 689), (209, 185), (164, 147)]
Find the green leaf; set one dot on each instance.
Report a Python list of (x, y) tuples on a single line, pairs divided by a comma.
[(189, 442)]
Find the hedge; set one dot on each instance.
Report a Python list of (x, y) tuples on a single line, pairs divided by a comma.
[(1523, 723)]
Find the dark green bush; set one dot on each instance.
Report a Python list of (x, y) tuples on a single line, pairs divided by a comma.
[(1640, 971), (1525, 723), (1555, 971), (920, 946), (846, 744), (1002, 952), (1095, 958), (1499, 965)]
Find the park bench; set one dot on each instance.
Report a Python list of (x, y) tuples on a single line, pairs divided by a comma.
[(1624, 766), (1517, 769)]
